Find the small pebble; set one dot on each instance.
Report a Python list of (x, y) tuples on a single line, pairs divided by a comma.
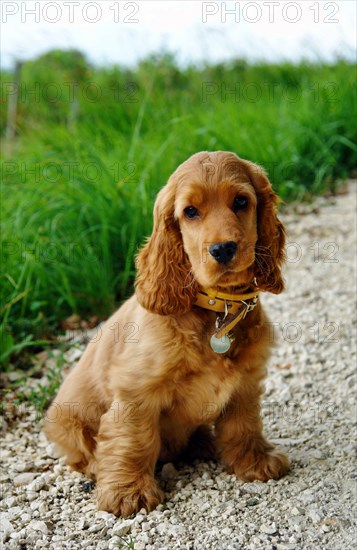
[(24, 479), (269, 529), (168, 471)]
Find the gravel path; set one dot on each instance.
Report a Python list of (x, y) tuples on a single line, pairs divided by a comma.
[(308, 408)]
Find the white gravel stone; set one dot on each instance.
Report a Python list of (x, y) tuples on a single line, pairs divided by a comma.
[(307, 496), (38, 526), (24, 479), (205, 506), (9, 502), (82, 524), (6, 527), (315, 515), (144, 537), (297, 511), (37, 484), (96, 527), (123, 527), (161, 528), (23, 466), (268, 528), (139, 518), (106, 516)]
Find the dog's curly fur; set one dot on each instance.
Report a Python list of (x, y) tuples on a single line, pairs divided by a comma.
[(162, 392)]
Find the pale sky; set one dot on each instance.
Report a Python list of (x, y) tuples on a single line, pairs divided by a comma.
[(110, 31)]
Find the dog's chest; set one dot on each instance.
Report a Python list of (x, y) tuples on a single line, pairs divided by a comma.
[(199, 396)]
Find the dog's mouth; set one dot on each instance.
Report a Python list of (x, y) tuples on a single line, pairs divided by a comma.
[(235, 279)]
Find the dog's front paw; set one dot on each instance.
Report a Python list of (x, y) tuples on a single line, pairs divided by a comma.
[(124, 500), (271, 465), (262, 466)]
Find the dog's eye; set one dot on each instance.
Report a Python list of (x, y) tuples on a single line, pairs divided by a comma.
[(191, 212), (240, 203)]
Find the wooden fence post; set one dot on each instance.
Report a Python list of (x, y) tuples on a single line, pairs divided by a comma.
[(10, 134)]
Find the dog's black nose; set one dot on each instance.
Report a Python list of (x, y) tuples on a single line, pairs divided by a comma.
[(223, 252)]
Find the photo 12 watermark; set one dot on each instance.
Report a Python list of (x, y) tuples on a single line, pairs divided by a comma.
[(268, 92), (270, 12), (326, 252), (69, 92), (52, 252), (53, 172), (70, 12)]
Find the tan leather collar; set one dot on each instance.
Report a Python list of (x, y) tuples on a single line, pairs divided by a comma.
[(237, 305), (209, 298)]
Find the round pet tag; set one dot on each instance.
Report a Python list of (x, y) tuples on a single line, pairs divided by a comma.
[(220, 345)]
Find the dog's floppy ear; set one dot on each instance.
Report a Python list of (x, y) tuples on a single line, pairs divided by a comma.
[(164, 282), (270, 246)]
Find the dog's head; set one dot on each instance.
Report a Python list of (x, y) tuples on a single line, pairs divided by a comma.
[(215, 225)]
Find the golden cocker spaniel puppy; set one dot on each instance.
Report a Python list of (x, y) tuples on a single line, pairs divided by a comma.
[(178, 368)]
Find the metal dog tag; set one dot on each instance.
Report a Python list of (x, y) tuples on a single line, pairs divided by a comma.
[(220, 345)]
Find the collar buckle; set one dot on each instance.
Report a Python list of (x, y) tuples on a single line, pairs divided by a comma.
[(249, 306)]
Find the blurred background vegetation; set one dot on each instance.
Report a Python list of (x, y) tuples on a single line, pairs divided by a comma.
[(90, 147)]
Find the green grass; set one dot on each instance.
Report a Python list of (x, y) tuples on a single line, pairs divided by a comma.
[(95, 145), (40, 394)]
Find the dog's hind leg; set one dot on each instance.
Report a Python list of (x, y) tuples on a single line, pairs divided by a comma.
[(73, 438)]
